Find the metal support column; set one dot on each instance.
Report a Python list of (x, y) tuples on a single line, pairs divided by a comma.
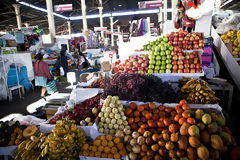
[(26, 24), (112, 38), (101, 19), (18, 15), (83, 4), (51, 24), (69, 27)]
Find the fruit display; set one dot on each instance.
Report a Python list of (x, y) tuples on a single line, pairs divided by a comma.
[(197, 91), (111, 117), (83, 113), (65, 141), (159, 56), (137, 87), (185, 40), (134, 64), (11, 133), (176, 133), (105, 146), (185, 62), (97, 84), (233, 37)]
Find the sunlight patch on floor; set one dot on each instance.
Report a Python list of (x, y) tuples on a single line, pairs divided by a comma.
[(33, 107)]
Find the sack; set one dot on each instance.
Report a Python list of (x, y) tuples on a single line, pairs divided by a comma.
[(61, 71), (51, 87)]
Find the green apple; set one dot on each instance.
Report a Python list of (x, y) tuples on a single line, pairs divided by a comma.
[(168, 61), (163, 62), (152, 62), (169, 57), (155, 71), (156, 53), (164, 58), (163, 48), (156, 68), (158, 57), (169, 66), (171, 48), (151, 66), (150, 71), (158, 63), (163, 67), (162, 53), (168, 71), (161, 71), (157, 49), (168, 52)]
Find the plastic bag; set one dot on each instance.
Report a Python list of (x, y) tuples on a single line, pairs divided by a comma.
[(29, 120)]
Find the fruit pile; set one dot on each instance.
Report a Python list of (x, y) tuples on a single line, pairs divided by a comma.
[(233, 37), (112, 116), (11, 133), (197, 91), (160, 56), (83, 113), (166, 133), (138, 87), (134, 64), (185, 40), (185, 62), (97, 84), (105, 146)]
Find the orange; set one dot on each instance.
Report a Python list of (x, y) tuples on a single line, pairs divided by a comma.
[(94, 149), (133, 105), (85, 153), (104, 142), (102, 137), (120, 146), (98, 154), (110, 155), (116, 140), (140, 108), (136, 113), (110, 144), (123, 152), (152, 105), (114, 150), (109, 137), (97, 142), (104, 155), (107, 150), (117, 156), (100, 148), (85, 147), (91, 154)]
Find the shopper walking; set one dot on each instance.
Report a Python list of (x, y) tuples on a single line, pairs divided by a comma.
[(42, 74), (62, 62)]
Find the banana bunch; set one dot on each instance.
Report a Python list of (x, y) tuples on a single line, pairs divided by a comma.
[(30, 148), (197, 91), (65, 142)]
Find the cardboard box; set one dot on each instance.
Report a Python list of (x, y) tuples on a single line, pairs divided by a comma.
[(11, 43)]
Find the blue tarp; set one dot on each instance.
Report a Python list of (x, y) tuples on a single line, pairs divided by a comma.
[(22, 75)]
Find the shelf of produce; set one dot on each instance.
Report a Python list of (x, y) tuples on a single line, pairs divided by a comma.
[(228, 59)]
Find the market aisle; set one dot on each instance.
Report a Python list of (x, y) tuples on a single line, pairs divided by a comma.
[(32, 98)]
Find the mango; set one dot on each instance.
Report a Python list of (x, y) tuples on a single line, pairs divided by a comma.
[(227, 139), (206, 118), (205, 137), (184, 129), (216, 142), (221, 122), (194, 141), (193, 130), (203, 152), (198, 114), (212, 128), (201, 126), (191, 153), (214, 154), (182, 142)]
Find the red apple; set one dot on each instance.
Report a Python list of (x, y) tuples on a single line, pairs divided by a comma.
[(195, 46), (173, 53), (175, 34), (185, 32), (191, 56), (191, 38), (194, 34), (174, 71), (130, 64), (175, 39), (180, 71), (184, 41), (187, 57), (198, 66), (170, 43), (195, 42), (180, 66), (176, 49), (192, 70), (174, 62), (192, 66), (186, 65), (197, 38), (186, 70), (174, 57), (180, 39), (175, 67), (189, 43), (201, 41), (198, 70), (180, 62), (185, 61), (195, 60), (174, 42)]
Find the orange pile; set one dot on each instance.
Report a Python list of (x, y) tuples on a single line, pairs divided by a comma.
[(105, 146)]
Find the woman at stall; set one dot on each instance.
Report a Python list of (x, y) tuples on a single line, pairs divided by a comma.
[(42, 74)]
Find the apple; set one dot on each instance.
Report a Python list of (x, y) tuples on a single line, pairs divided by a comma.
[(130, 64), (186, 65), (187, 57), (180, 38), (198, 66), (175, 67), (156, 68), (191, 56), (173, 53), (158, 63), (192, 66), (145, 58), (140, 60), (195, 42), (185, 32), (163, 62), (175, 57), (158, 57), (179, 43), (175, 34), (168, 71), (191, 38), (179, 62), (174, 62), (185, 61), (181, 57), (189, 43), (164, 58), (186, 70), (162, 71), (180, 66), (194, 34), (174, 42), (198, 70), (195, 60), (192, 70), (168, 61), (184, 42), (180, 71), (174, 71), (163, 67), (169, 57), (195, 46), (140, 68)]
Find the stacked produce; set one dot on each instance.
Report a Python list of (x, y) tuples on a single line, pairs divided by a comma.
[(105, 146), (185, 62), (233, 37), (197, 91), (11, 133), (97, 84), (159, 56), (64, 142), (185, 40), (166, 133), (112, 116), (134, 64), (141, 88), (83, 113)]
